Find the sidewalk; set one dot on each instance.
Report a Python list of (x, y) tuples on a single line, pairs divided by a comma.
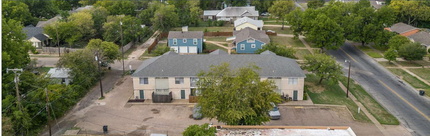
[(142, 48)]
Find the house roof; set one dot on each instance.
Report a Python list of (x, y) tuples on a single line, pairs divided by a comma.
[(41, 37), (401, 28), (218, 52), (238, 11), (422, 37), (33, 31), (210, 12), (59, 72), (267, 52), (258, 23), (186, 34), (172, 65), (247, 33)]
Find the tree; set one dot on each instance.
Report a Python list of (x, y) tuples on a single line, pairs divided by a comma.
[(67, 32), (382, 38), (410, 12), (14, 46), (222, 89), (390, 55), (279, 9), (315, 3), (295, 19), (17, 11), (122, 8), (397, 41), (84, 22), (63, 16), (106, 51), (112, 29), (99, 16), (278, 50), (412, 51), (42, 8), (324, 67), (262, 5), (364, 29), (195, 13), (83, 67), (165, 18), (202, 130), (331, 39), (160, 50)]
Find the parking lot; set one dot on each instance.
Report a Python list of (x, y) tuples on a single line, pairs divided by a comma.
[(123, 118)]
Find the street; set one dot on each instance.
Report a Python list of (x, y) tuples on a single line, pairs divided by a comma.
[(51, 61), (400, 99)]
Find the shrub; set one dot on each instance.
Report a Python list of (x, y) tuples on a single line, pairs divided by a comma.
[(412, 51), (160, 50)]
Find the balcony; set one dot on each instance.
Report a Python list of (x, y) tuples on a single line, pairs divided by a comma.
[(162, 97)]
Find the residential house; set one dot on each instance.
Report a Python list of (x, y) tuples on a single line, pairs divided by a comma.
[(36, 36), (421, 37), (403, 29), (176, 75), (249, 40), (377, 4), (248, 22), (60, 75), (231, 13), (186, 41)]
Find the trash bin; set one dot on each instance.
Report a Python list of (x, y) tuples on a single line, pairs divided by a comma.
[(422, 92), (105, 129)]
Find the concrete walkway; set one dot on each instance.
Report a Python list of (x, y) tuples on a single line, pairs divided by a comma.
[(220, 45), (142, 48)]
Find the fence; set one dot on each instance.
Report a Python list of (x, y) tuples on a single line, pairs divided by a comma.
[(218, 34), (114, 132), (192, 99), (155, 42), (127, 47), (271, 34), (54, 50), (161, 98)]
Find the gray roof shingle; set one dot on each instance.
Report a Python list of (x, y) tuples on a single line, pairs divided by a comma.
[(59, 72), (186, 34), (218, 52), (422, 37), (210, 12), (32, 31), (247, 33), (238, 11), (401, 28), (190, 65)]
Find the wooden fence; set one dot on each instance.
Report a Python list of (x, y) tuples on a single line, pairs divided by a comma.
[(162, 98), (127, 47), (54, 50), (155, 42), (271, 34), (192, 99), (218, 34)]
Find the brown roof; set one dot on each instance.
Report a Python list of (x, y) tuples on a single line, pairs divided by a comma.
[(401, 28), (186, 34), (422, 37), (247, 33)]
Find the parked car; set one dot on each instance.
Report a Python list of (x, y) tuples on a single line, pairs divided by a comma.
[(274, 113), (265, 14), (197, 114)]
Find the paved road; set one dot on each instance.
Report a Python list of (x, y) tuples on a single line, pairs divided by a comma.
[(51, 61), (400, 99), (70, 119)]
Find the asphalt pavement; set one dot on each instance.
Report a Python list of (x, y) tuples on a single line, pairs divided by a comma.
[(51, 61), (399, 98)]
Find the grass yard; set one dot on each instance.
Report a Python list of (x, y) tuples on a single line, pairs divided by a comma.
[(374, 54), (380, 48), (216, 38), (413, 81), (275, 23), (369, 51), (424, 73), (44, 69), (301, 53), (381, 114), (331, 94), (210, 29), (310, 43), (210, 46), (266, 18), (387, 64), (278, 29), (129, 51), (287, 41), (416, 63)]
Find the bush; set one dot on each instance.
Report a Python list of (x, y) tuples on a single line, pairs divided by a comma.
[(160, 50), (206, 30), (210, 22), (305, 93), (196, 130), (221, 23), (412, 51)]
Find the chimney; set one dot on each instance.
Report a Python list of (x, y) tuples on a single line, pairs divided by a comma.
[(184, 28)]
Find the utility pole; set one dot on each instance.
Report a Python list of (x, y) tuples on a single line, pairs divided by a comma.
[(58, 42), (100, 75), (18, 97), (349, 72), (122, 45), (47, 110)]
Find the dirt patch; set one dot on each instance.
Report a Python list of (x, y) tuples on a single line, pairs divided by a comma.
[(146, 119), (155, 111), (314, 88)]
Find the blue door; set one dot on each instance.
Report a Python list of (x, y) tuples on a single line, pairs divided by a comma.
[(141, 94), (182, 94), (295, 95)]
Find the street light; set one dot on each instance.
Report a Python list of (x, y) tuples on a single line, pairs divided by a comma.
[(349, 72), (100, 75)]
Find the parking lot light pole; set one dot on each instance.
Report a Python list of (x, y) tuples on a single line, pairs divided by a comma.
[(349, 72)]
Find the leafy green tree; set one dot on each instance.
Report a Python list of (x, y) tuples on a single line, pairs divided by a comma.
[(315, 3), (14, 46), (160, 50), (199, 130), (106, 51), (280, 8), (16, 10), (410, 11), (412, 51), (63, 16), (42, 8), (82, 65), (278, 50), (262, 5), (63, 5), (390, 55), (364, 29), (67, 32), (165, 18), (111, 29), (195, 13), (295, 19), (223, 88), (84, 22), (130, 27), (122, 8), (331, 39), (382, 38), (211, 4), (324, 67), (397, 41), (99, 16), (87, 2)]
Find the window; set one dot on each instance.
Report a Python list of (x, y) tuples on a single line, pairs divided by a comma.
[(250, 40), (193, 81), (195, 41), (143, 80), (179, 80), (184, 40), (242, 46), (252, 45), (293, 81), (35, 44), (175, 41)]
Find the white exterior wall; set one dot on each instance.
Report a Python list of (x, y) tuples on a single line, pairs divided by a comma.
[(176, 88), (245, 25)]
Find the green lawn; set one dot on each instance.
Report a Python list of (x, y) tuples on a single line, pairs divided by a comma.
[(216, 38), (331, 94), (266, 19), (424, 73), (374, 54), (273, 22), (301, 53), (287, 41), (210, 46), (417, 63), (210, 29), (44, 69), (413, 81), (310, 43), (387, 64), (369, 51), (365, 48), (278, 29), (380, 48), (382, 115)]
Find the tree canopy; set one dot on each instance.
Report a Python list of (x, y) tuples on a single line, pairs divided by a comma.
[(412, 51), (280, 8), (68, 32), (199, 130), (165, 18), (278, 50), (324, 67), (223, 88), (17, 11), (106, 51), (397, 41)]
